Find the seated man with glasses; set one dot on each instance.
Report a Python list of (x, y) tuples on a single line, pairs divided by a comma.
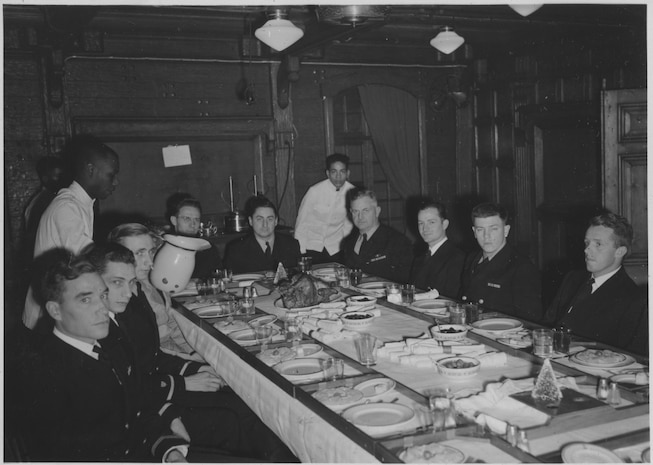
[(184, 213)]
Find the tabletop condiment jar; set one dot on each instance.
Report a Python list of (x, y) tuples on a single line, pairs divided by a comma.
[(512, 434), (522, 442), (602, 389), (614, 396)]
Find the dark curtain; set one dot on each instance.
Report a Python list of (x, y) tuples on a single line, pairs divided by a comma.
[(391, 114)]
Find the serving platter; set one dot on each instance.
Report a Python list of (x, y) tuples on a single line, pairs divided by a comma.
[(247, 277), (247, 337), (375, 388), (300, 369), (498, 325), (592, 358), (588, 453), (378, 419), (332, 298)]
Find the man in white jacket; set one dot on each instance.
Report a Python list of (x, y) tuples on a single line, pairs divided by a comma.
[(322, 220)]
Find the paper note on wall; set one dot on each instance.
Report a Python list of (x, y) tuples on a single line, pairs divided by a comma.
[(176, 155)]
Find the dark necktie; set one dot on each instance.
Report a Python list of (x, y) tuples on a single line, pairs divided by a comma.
[(360, 244), (101, 355), (584, 291), (268, 250)]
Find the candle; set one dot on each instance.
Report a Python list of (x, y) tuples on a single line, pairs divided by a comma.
[(231, 193), (255, 189)]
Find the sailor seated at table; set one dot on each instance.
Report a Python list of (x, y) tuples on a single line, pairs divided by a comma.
[(262, 249), (190, 386), (440, 266), (602, 303), (81, 405), (375, 248), (498, 276), (138, 238), (184, 214)]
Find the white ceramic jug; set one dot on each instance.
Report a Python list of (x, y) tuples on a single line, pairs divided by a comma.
[(175, 261)]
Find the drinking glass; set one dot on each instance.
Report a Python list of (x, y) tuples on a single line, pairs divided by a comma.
[(543, 342), (305, 264), (365, 345), (355, 276), (216, 285), (443, 410), (247, 305), (471, 313), (561, 340), (393, 293), (342, 275), (263, 335), (457, 315), (407, 293), (293, 329), (226, 274), (332, 368), (203, 288)]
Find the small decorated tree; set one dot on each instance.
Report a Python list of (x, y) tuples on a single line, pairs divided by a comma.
[(546, 387), (280, 274)]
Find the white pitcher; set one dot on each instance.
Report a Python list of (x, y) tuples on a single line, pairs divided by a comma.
[(175, 261)]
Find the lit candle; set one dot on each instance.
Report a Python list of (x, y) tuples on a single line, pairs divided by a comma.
[(231, 193), (255, 189)]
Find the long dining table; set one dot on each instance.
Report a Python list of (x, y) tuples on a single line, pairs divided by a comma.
[(316, 432)]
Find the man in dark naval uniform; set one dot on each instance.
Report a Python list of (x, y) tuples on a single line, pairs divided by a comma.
[(375, 248), (441, 265), (602, 303), (263, 249), (497, 276)]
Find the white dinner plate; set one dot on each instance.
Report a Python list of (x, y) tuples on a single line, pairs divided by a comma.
[(332, 298), (432, 453), (262, 320), (438, 306), (373, 388), (624, 360), (588, 453), (325, 274), (498, 325), (247, 277), (229, 327), (300, 369), (273, 356), (378, 419), (338, 398), (210, 311), (307, 350), (375, 285), (247, 337)]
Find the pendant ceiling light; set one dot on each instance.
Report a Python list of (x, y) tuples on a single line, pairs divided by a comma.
[(447, 41), (525, 9), (278, 33)]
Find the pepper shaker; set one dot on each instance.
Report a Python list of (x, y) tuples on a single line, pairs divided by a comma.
[(602, 389), (614, 396)]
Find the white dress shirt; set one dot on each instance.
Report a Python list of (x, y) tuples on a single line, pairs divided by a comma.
[(601, 279), (76, 343), (434, 248), (67, 222), (322, 218)]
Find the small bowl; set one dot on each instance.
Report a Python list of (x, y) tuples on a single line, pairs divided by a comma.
[(357, 320), (470, 368), (438, 335), (361, 300)]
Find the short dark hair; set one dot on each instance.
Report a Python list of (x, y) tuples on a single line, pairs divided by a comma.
[(621, 228), (179, 200), (86, 148), (102, 254), (430, 203), (46, 165), (358, 192), (259, 201), (52, 268), (335, 158), (486, 210), (128, 230)]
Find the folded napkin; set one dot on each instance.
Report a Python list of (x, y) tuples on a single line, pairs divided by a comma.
[(495, 408), (327, 335), (432, 294), (492, 359)]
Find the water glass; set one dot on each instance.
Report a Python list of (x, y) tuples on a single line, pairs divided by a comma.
[(332, 368), (342, 275), (203, 287), (393, 293), (561, 340), (443, 412), (226, 274), (365, 348), (216, 285), (247, 305), (543, 342), (355, 276), (305, 264), (293, 329), (407, 293), (471, 313), (457, 315), (263, 335)]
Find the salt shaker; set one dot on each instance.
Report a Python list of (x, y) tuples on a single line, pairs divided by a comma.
[(522, 442), (512, 434), (602, 389), (614, 396)]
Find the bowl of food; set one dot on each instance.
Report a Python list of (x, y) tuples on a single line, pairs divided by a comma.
[(361, 300), (458, 367), (357, 320), (448, 332)]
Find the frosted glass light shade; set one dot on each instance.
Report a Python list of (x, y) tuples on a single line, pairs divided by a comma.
[(525, 9), (447, 41), (279, 34)]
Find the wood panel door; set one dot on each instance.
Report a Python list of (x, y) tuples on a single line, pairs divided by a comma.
[(624, 119)]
